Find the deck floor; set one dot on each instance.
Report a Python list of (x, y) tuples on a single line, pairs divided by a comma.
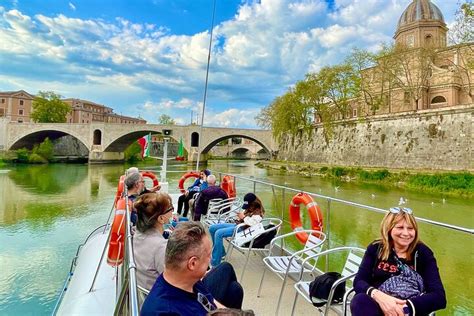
[(267, 302)]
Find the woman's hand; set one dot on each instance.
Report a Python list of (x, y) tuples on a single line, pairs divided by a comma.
[(240, 215), (391, 306)]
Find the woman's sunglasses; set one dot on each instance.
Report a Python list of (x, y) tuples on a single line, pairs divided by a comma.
[(397, 209)]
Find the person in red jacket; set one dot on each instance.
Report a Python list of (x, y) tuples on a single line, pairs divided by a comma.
[(398, 251)]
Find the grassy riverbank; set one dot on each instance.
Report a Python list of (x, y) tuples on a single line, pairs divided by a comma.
[(446, 183)]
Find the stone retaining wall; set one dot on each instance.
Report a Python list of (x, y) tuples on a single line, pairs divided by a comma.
[(439, 139)]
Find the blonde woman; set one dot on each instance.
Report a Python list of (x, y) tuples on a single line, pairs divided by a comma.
[(398, 274)]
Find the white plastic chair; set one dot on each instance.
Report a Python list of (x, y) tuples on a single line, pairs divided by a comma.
[(292, 263), (221, 210), (351, 266), (243, 240)]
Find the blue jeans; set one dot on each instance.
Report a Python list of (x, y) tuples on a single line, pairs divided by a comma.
[(218, 233)]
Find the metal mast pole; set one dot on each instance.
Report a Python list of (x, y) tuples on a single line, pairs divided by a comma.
[(205, 86)]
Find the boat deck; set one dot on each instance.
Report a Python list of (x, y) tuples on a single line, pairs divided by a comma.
[(267, 302)]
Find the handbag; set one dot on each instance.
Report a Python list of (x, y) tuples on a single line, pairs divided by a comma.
[(320, 287), (407, 284)]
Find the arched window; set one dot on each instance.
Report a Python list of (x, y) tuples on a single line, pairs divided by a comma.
[(194, 139), (438, 99), (97, 137), (428, 39)]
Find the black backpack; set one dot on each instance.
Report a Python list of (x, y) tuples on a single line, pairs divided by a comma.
[(321, 286)]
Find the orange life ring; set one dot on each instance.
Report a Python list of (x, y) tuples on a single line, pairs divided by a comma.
[(120, 187), (314, 211), (150, 175), (185, 176), (228, 185), (117, 234)]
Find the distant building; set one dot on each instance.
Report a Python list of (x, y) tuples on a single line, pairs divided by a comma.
[(84, 111), (17, 106), (427, 74)]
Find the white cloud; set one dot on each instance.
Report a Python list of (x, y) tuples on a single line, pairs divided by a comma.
[(141, 67), (72, 6)]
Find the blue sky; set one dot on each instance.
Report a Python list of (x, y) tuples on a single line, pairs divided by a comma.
[(148, 57)]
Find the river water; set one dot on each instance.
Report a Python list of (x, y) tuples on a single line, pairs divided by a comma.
[(47, 211)]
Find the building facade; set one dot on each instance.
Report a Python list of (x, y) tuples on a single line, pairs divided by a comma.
[(84, 111), (17, 107), (423, 72)]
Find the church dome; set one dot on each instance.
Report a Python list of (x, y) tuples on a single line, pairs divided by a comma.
[(420, 10)]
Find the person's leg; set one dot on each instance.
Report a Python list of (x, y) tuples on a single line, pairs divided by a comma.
[(180, 203), (218, 250), (364, 305), (215, 227), (186, 203), (221, 281)]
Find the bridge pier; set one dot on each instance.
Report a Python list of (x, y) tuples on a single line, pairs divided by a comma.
[(193, 154), (105, 156)]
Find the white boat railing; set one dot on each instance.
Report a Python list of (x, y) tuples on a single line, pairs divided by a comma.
[(329, 200)]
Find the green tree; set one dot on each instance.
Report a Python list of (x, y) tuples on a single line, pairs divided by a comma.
[(339, 86), (462, 30), (132, 153), (46, 149), (48, 108), (165, 119)]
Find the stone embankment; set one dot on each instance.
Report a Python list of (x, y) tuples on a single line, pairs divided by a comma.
[(440, 139)]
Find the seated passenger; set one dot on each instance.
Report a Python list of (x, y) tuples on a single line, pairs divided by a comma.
[(154, 211), (398, 252), (179, 289), (252, 215), (202, 200), (135, 184), (145, 190), (198, 185)]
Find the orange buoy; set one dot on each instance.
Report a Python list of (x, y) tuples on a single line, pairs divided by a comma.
[(120, 187), (190, 174), (228, 185), (315, 214), (117, 234), (150, 175)]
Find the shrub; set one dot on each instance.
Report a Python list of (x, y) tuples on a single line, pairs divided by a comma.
[(45, 149), (22, 155), (374, 176), (35, 158), (338, 171), (133, 152)]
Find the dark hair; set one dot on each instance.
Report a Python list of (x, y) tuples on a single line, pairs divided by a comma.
[(255, 208), (185, 239), (149, 207)]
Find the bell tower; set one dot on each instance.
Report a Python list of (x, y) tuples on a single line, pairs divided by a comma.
[(420, 25)]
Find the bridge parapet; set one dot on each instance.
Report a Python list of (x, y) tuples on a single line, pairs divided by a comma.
[(111, 139)]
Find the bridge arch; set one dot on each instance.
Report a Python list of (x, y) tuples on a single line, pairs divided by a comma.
[(214, 142), (120, 143), (38, 135)]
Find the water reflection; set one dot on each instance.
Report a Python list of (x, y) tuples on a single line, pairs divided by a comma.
[(47, 211)]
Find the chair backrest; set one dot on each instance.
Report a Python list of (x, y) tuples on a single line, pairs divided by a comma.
[(313, 241), (354, 258), (216, 206)]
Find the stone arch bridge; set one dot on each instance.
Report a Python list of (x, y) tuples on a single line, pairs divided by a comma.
[(107, 141)]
